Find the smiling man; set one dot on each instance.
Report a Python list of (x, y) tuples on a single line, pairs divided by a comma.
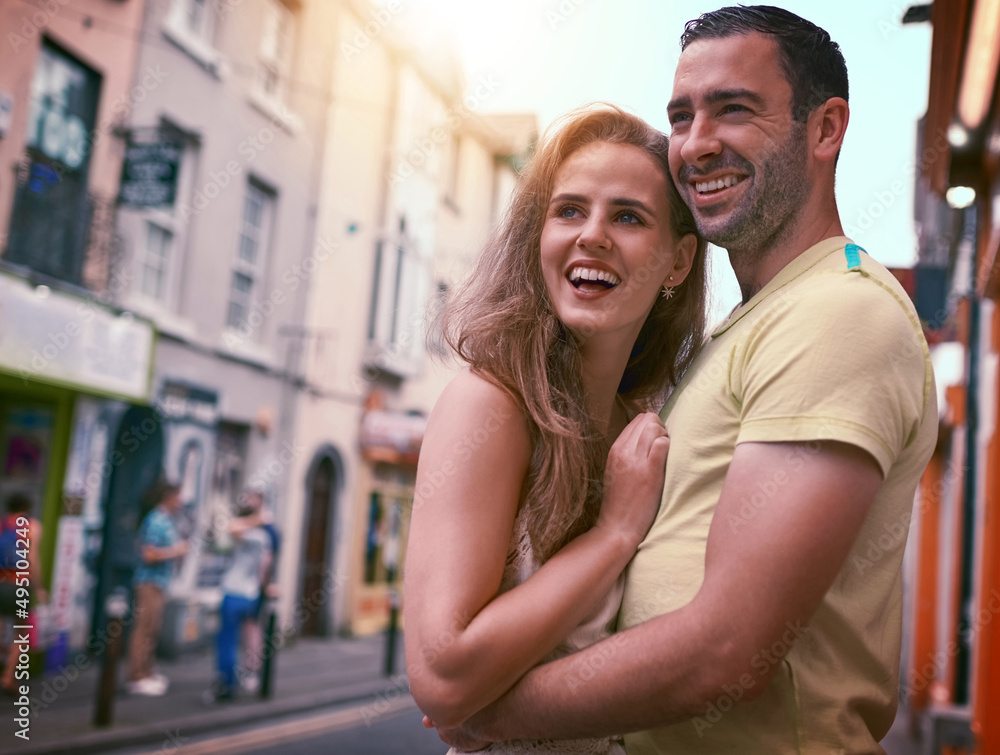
[(755, 617)]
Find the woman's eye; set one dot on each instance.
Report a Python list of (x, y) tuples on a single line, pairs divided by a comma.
[(568, 212), (629, 218)]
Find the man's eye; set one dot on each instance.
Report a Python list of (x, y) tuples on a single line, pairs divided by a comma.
[(677, 118), (733, 108)]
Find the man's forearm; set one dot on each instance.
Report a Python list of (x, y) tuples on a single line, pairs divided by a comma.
[(634, 680)]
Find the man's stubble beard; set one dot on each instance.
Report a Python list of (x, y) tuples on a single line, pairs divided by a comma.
[(766, 215)]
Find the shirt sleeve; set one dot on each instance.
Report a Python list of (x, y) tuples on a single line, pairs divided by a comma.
[(842, 359)]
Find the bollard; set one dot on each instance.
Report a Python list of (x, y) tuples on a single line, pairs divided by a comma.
[(116, 607), (269, 651), (390, 638)]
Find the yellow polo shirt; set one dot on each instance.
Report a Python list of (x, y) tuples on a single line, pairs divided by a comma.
[(830, 349)]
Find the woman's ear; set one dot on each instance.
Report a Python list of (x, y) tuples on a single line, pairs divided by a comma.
[(684, 251)]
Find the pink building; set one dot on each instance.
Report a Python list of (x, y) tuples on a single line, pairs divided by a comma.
[(67, 79)]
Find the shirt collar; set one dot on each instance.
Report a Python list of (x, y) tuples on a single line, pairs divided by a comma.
[(801, 264)]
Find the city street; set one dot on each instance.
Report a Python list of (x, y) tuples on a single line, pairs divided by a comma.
[(355, 729)]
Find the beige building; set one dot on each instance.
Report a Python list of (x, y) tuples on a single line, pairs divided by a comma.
[(412, 180)]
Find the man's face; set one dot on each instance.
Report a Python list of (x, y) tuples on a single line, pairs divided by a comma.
[(739, 160)]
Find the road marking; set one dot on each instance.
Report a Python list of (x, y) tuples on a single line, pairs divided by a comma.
[(323, 723)]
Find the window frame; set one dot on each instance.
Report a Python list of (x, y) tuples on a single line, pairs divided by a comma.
[(255, 269)]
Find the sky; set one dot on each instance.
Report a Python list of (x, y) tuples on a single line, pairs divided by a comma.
[(549, 56)]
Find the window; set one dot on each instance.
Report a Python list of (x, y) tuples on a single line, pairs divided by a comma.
[(198, 19), (190, 25), (51, 219), (258, 208), (275, 48), (389, 505), (156, 261), (397, 316)]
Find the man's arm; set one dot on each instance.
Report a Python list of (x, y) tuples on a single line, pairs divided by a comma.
[(770, 572)]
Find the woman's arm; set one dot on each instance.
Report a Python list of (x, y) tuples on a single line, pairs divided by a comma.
[(466, 645)]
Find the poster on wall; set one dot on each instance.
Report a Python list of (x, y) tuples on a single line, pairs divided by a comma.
[(66, 585)]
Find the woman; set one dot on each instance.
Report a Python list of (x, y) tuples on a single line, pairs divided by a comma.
[(590, 292)]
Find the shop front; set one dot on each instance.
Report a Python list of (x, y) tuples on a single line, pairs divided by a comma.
[(390, 446), (70, 370)]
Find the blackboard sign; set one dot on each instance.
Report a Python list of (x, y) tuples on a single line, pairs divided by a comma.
[(149, 173)]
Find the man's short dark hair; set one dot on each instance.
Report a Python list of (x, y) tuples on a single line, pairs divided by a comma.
[(813, 64)]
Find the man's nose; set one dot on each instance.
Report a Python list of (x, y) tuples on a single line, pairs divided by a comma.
[(700, 142)]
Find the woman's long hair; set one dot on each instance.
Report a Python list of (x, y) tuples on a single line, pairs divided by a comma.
[(503, 324)]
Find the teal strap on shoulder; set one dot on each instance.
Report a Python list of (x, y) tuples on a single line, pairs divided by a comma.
[(853, 253)]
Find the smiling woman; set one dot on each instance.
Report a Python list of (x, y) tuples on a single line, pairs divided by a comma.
[(567, 339)]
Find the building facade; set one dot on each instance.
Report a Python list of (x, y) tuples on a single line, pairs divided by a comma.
[(413, 178), (951, 673), (68, 350), (218, 268)]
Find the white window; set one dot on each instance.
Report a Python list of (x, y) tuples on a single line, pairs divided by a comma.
[(397, 319), (156, 262), (198, 18), (258, 210), (275, 48), (190, 25)]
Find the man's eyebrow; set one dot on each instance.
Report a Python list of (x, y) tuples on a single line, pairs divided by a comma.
[(716, 96), (720, 95), (679, 102)]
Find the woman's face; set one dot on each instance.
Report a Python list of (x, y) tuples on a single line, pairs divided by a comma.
[(607, 247)]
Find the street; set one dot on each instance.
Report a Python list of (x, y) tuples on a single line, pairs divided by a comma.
[(361, 729)]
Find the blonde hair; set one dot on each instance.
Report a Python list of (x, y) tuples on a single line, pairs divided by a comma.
[(502, 323)]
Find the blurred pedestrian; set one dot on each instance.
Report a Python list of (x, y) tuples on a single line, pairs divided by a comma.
[(253, 631), (20, 533), (159, 548), (241, 587)]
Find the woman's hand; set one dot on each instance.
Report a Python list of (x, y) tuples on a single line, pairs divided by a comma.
[(633, 478)]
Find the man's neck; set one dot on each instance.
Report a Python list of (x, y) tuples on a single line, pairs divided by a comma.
[(754, 268)]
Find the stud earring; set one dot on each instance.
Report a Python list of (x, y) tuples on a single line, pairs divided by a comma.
[(667, 291)]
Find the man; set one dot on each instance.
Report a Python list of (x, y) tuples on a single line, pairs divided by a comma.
[(763, 611), (241, 588), (159, 548)]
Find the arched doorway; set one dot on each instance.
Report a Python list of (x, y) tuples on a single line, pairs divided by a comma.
[(137, 463), (321, 488)]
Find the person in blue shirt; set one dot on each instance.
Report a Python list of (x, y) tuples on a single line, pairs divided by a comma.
[(159, 548)]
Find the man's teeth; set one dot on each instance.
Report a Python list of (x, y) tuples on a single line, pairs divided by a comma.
[(585, 274), (719, 183)]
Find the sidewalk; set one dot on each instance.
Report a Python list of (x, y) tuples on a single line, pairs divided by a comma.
[(310, 673)]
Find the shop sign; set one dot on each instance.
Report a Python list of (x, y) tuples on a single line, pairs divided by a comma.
[(48, 336), (392, 437), (181, 402), (149, 173)]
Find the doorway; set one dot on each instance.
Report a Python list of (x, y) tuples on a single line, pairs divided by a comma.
[(321, 489)]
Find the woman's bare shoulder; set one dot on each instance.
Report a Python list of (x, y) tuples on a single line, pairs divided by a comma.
[(473, 402), (479, 391)]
